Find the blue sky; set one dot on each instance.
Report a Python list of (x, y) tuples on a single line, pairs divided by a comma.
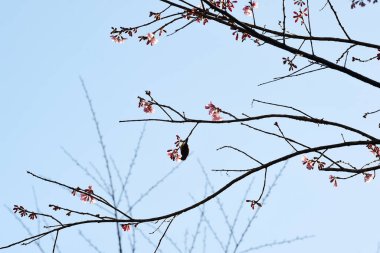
[(46, 46)]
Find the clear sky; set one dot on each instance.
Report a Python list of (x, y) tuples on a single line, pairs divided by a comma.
[(47, 45)]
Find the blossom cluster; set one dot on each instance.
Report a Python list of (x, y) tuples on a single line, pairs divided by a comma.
[(374, 150), (361, 3), (248, 9), (300, 15), (146, 105), (368, 177), (126, 227), (118, 39), (299, 2), (190, 14), (225, 4), (214, 111), (181, 150), (23, 212), (86, 195), (150, 39), (311, 162), (244, 36), (333, 180)]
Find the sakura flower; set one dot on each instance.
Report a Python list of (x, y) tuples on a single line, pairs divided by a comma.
[(214, 112), (299, 2), (126, 227), (321, 165), (374, 150), (32, 216), (146, 105), (247, 11), (300, 15), (226, 4), (23, 212), (174, 155), (309, 163), (148, 108), (20, 209), (182, 146), (333, 180), (118, 39), (86, 195), (368, 177), (151, 40), (245, 36), (55, 208), (216, 116), (74, 192)]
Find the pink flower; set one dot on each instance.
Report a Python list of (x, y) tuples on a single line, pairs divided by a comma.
[(333, 180), (118, 39), (321, 165), (32, 216), (173, 154), (216, 116), (211, 107), (299, 2), (20, 209), (374, 150), (245, 36), (309, 163), (300, 15), (247, 11), (126, 227), (151, 39), (214, 112), (255, 5), (181, 150), (86, 196), (368, 177), (147, 106)]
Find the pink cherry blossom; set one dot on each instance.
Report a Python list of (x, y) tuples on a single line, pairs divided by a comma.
[(118, 39), (374, 150), (146, 105), (87, 195), (151, 39), (368, 177), (247, 11), (309, 163), (333, 180), (213, 111), (174, 155), (321, 165), (216, 116), (126, 227), (181, 150), (300, 15)]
